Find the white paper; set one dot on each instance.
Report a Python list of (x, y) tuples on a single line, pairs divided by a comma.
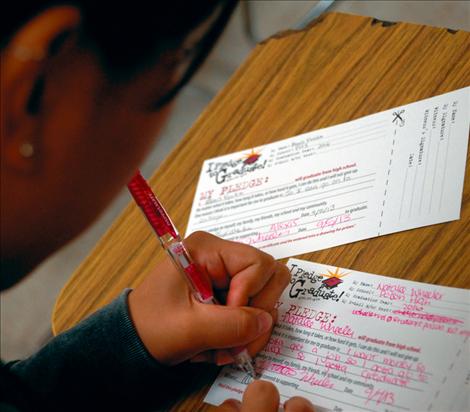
[(391, 171), (370, 343)]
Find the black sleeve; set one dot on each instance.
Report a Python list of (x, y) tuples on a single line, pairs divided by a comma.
[(101, 364)]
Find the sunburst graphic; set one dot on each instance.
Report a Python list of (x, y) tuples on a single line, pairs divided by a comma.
[(251, 157), (333, 279)]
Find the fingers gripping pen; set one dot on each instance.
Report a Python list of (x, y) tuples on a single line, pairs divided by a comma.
[(173, 244)]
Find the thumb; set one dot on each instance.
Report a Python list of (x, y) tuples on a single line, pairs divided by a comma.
[(226, 327)]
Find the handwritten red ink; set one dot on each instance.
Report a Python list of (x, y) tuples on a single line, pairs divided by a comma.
[(263, 237), (337, 330), (422, 297), (383, 377), (312, 380), (397, 363), (379, 396), (361, 354), (297, 320), (430, 317), (274, 346), (283, 225), (391, 291), (333, 221)]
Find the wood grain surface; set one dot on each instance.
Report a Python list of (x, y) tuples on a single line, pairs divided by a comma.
[(340, 68)]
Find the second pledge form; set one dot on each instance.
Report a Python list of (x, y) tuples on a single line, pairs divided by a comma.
[(391, 171)]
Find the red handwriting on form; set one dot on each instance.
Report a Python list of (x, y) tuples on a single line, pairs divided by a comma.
[(263, 237), (312, 380), (337, 330), (295, 373), (430, 317), (283, 225), (424, 297), (379, 396), (274, 346), (297, 320), (332, 361), (333, 221), (353, 355), (392, 291), (384, 376), (297, 347), (279, 368), (397, 363)]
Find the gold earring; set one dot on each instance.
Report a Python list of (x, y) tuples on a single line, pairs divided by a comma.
[(26, 150)]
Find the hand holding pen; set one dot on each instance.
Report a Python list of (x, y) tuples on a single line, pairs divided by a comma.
[(175, 327)]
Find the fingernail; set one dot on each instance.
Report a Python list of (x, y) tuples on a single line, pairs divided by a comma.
[(224, 362), (233, 403), (199, 358), (265, 321), (224, 358)]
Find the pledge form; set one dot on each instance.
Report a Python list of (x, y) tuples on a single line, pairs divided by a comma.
[(353, 341), (395, 170)]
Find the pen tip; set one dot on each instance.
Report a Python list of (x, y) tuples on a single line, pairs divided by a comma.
[(249, 369), (245, 363)]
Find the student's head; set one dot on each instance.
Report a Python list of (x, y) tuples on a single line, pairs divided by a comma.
[(86, 86)]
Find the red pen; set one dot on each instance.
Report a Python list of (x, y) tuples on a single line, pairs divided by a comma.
[(173, 244)]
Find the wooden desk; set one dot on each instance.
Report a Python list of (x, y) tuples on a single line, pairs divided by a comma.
[(342, 67)]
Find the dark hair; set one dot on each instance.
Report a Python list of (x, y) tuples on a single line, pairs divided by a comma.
[(126, 34)]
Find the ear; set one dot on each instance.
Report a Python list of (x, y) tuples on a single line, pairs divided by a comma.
[(23, 63)]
